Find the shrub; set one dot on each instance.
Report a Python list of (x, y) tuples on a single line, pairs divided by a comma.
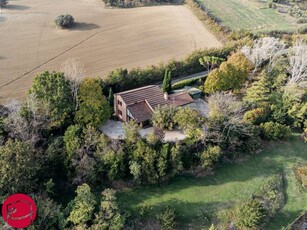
[(274, 131), (210, 156), (183, 83), (168, 218), (301, 173), (255, 116), (302, 29), (271, 193), (296, 12), (301, 21), (250, 214), (304, 135), (164, 117), (64, 21)]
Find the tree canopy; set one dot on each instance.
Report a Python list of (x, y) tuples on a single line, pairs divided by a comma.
[(19, 167), (83, 205), (167, 82), (94, 108), (53, 91)]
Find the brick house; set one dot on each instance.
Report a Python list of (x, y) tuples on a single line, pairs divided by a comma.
[(139, 104)]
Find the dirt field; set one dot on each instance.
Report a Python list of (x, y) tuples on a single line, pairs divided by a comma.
[(102, 39)]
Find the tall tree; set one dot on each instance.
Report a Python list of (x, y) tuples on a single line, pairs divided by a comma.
[(19, 167), (53, 93), (49, 215), (109, 216), (227, 77), (267, 49), (210, 62), (74, 73), (82, 206), (111, 97), (94, 108), (167, 82), (298, 64)]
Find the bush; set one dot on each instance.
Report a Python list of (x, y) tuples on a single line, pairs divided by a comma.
[(168, 218), (210, 156), (64, 21), (274, 131), (164, 117), (255, 116), (297, 12), (304, 135), (302, 29), (271, 193), (250, 214), (183, 83), (301, 21), (301, 173)]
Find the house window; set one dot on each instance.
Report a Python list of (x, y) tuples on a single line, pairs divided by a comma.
[(120, 112), (119, 102)]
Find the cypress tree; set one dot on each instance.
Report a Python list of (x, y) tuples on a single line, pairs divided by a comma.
[(111, 97), (167, 82)]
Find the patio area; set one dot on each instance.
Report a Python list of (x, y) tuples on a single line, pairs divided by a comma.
[(115, 130)]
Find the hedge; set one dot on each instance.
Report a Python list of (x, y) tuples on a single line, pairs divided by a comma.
[(123, 79), (187, 82)]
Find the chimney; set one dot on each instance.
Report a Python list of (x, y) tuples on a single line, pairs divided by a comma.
[(166, 96)]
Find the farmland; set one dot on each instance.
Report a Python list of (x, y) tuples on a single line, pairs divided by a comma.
[(197, 200), (252, 15), (102, 39)]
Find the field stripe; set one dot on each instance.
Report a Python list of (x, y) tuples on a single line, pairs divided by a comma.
[(51, 59)]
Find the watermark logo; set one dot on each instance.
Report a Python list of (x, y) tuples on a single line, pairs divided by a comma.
[(19, 210)]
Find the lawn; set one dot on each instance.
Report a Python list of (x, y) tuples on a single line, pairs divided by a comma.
[(253, 15), (196, 199)]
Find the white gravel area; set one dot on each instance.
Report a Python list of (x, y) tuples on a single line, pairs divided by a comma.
[(115, 130)]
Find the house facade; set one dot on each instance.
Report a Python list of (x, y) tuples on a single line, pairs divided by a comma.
[(139, 104)]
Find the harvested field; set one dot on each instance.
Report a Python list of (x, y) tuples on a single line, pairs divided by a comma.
[(102, 39)]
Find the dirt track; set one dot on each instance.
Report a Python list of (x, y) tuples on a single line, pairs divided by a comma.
[(102, 40)]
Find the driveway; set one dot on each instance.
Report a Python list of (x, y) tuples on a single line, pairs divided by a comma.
[(115, 130)]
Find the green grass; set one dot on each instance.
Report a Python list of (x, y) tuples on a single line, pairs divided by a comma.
[(252, 15), (231, 183)]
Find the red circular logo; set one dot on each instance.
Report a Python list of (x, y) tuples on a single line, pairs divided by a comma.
[(19, 210)]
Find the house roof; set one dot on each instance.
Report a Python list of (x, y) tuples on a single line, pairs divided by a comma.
[(180, 98), (141, 102), (140, 111), (152, 94)]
